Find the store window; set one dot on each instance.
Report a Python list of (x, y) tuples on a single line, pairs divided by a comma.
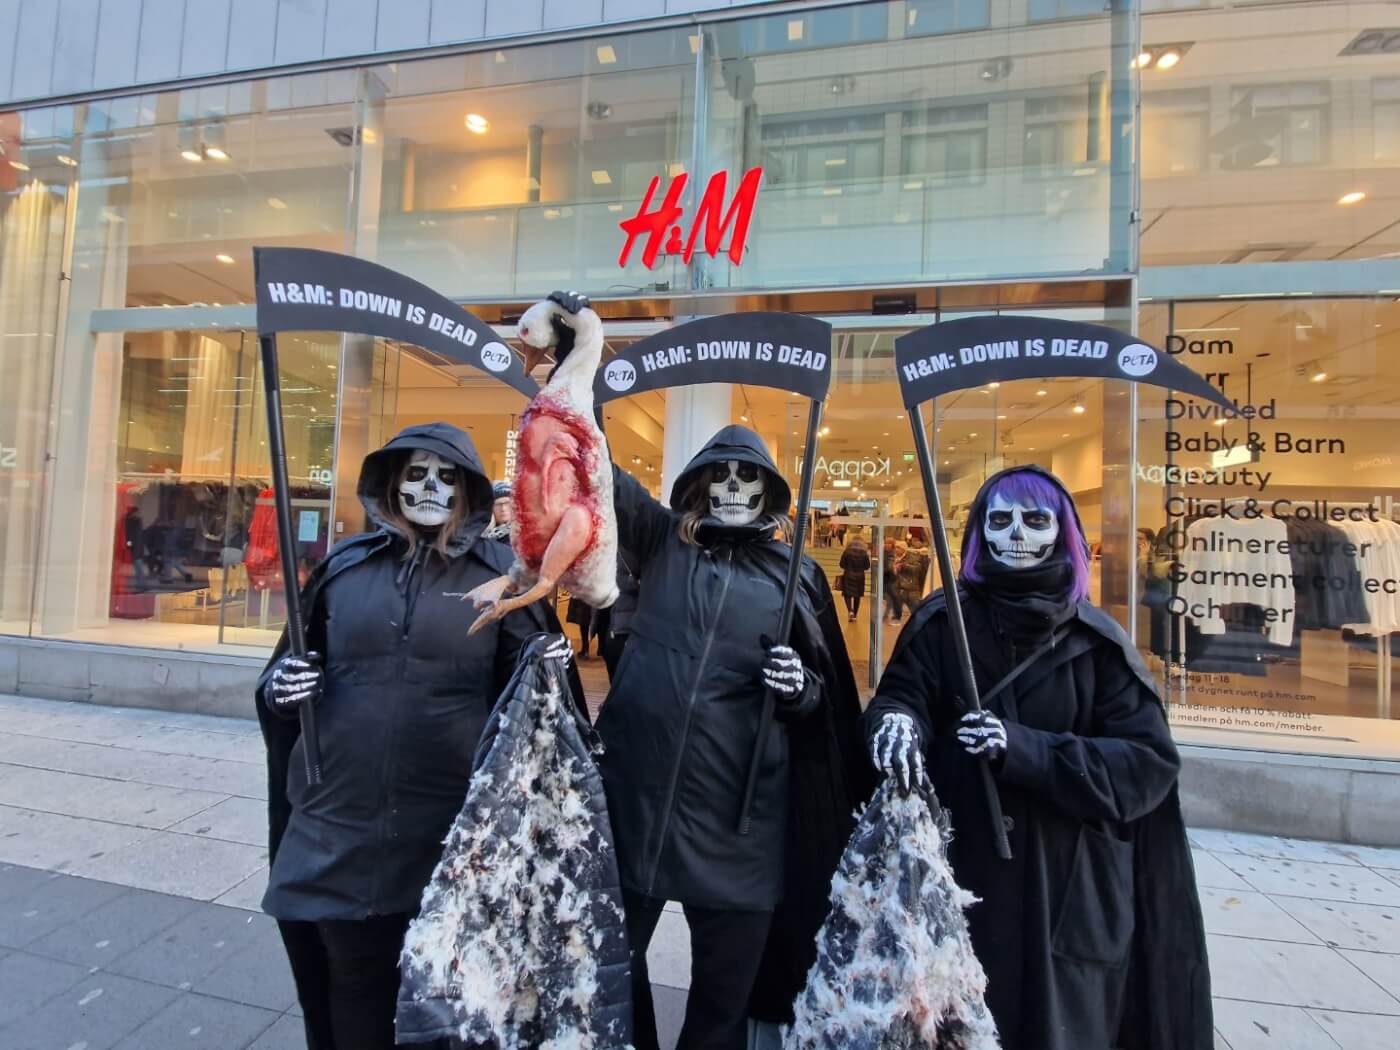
[(1175, 130), (1289, 126), (1269, 555)]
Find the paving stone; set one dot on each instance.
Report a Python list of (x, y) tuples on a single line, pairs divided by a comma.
[(180, 864), (1302, 878), (1359, 1031), (27, 982), (248, 894), (1381, 968), (1393, 874), (1263, 1026), (186, 953), (95, 1013), (200, 1022), (16, 879), (1211, 871), (26, 917), (1243, 913), (1219, 842), (257, 975), (1292, 975), (51, 841), (233, 820), (286, 1033), (1371, 856), (112, 929), (1368, 927), (117, 763), (113, 801)]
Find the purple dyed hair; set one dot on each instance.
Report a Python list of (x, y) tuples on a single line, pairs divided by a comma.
[(1029, 486)]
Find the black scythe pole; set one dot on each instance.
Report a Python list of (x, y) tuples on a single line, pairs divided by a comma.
[(286, 543), (955, 618), (794, 573)]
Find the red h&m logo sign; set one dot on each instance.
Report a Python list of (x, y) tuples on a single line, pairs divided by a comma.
[(660, 224)]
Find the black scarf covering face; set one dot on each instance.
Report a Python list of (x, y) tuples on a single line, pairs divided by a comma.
[(1026, 604)]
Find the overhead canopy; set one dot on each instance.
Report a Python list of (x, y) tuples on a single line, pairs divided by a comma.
[(789, 352), (305, 290), (974, 351)]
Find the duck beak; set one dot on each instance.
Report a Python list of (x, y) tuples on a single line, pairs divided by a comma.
[(533, 356)]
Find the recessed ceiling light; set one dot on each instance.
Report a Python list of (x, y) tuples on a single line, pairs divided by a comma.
[(601, 177), (993, 386), (606, 55), (476, 123), (1354, 197), (1078, 409), (192, 155), (1041, 393), (1143, 60), (276, 203), (225, 258), (1168, 58), (19, 165), (217, 152), (66, 160), (1319, 377), (1002, 415)]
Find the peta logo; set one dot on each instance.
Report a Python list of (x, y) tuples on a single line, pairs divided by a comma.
[(620, 375), (9, 457), (661, 227), (1137, 360), (495, 357)]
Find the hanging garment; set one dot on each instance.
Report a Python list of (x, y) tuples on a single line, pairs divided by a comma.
[(1230, 561), (521, 940), (895, 966)]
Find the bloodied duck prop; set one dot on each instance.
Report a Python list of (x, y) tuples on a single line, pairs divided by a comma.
[(520, 942), (1091, 934), (563, 531), (680, 724), (401, 700)]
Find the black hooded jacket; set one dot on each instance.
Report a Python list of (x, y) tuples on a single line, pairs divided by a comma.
[(407, 696), (1091, 935), (684, 711)]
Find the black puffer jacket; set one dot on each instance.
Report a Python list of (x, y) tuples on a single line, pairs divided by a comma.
[(407, 697), (684, 710)]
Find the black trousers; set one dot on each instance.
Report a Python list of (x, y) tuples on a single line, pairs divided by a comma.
[(725, 949), (853, 603), (362, 969)]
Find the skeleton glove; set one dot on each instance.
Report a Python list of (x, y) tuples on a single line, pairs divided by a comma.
[(783, 673), (295, 680), (982, 733), (897, 752)]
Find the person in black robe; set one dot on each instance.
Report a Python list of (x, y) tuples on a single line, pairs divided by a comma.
[(681, 722), (1091, 934)]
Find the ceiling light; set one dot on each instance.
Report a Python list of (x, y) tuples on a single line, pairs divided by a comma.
[(66, 160), (192, 155), (19, 165), (606, 55), (276, 203), (217, 152), (795, 29), (993, 386), (602, 178), (744, 418), (1002, 415), (476, 123), (826, 431), (1221, 422), (1319, 377), (1143, 60), (1041, 393), (1078, 409), (1354, 197), (1168, 58), (225, 258)]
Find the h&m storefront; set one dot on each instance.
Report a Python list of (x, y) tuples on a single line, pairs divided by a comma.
[(921, 161)]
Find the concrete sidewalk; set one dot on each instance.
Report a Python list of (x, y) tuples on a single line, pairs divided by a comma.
[(131, 865)]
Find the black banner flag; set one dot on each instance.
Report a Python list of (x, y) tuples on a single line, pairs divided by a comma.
[(974, 351), (305, 290), (784, 351)]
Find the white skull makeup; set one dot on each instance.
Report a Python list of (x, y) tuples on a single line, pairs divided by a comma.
[(1019, 535), (428, 489), (736, 492)]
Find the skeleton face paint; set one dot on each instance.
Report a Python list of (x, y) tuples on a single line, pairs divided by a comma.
[(1019, 535), (428, 489), (736, 492)]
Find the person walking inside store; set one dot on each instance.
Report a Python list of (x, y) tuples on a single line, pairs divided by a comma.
[(911, 574), (893, 555), (855, 563), (1091, 934), (402, 694), (679, 726)]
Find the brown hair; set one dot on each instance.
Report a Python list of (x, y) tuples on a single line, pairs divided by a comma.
[(695, 508), (394, 515)]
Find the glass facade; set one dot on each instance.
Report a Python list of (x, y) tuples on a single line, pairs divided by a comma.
[(949, 158)]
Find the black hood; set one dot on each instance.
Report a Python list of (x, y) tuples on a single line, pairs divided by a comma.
[(452, 445), (741, 444), (978, 511)]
